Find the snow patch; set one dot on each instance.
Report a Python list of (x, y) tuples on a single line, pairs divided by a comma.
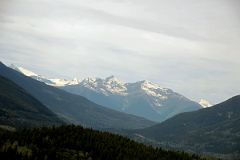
[(204, 103), (53, 82), (107, 86), (23, 70)]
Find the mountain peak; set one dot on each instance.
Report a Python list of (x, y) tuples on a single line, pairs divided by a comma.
[(146, 84), (113, 80), (53, 82), (110, 77), (23, 70), (204, 103)]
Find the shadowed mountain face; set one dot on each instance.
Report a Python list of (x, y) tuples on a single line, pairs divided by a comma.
[(214, 130), (20, 109), (74, 108)]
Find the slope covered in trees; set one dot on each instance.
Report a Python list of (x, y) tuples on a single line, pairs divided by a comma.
[(211, 130), (75, 142)]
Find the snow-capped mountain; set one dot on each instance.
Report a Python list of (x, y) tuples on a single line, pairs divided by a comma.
[(63, 82), (143, 98), (53, 82), (24, 71), (204, 103), (108, 86)]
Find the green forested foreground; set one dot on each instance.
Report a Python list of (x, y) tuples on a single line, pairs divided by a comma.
[(75, 142)]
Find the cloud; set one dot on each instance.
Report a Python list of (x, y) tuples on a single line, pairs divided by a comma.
[(191, 46)]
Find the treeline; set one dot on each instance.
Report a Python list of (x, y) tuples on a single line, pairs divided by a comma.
[(76, 143)]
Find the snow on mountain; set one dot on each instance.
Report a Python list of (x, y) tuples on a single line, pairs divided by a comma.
[(142, 98), (64, 82), (53, 82), (155, 90), (110, 85), (204, 103), (31, 74), (107, 86), (23, 70)]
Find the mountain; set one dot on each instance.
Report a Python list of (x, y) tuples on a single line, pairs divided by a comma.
[(20, 109), (74, 108), (52, 82), (210, 130), (204, 103), (143, 98)]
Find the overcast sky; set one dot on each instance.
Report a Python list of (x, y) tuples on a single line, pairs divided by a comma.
[(190, 46)]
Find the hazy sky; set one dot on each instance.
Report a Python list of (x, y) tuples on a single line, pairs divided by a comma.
[(190, 46)]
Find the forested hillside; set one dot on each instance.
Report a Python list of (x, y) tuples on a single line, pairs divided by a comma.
[(75, 142), (214, 130)]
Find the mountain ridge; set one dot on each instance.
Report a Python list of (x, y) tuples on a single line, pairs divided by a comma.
[(49, 81), (74, 108), (210, 130), (142, 98)]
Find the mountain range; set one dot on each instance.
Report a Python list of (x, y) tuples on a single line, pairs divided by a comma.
[(142, 98), (74, 108), (27, 99)]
